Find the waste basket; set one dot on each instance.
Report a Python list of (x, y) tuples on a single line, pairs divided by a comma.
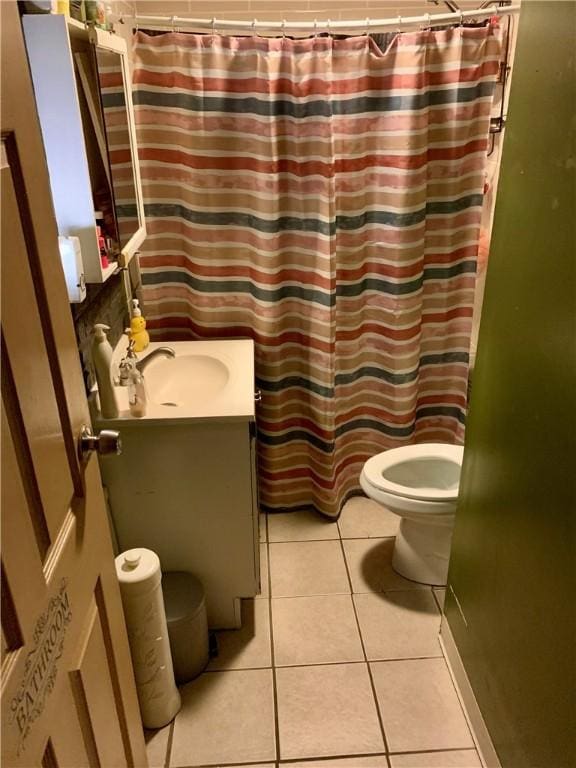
[(185, 607)]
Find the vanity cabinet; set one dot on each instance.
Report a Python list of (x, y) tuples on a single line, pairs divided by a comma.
[(188, 492), (82, 90), (185, 483)]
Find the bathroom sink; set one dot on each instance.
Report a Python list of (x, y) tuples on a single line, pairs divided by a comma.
[(205, 380), (186, 379)]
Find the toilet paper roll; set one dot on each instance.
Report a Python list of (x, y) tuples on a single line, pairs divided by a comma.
[(139, 575)]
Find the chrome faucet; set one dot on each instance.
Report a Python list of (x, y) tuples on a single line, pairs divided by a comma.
[(127, 363), (141, 365)]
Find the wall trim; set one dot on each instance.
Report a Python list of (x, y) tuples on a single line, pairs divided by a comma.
[(480, 734)]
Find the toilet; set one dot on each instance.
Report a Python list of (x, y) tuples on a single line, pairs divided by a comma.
[(420, 484)]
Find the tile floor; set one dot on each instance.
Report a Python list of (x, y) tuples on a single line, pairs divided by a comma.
[(337, 662)]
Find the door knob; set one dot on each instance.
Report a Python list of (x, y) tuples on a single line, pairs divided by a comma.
[(106, 442)]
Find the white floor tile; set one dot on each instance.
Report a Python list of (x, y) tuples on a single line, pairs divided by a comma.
[(249, 646), (327, 710), (370, 565), (226, 717), (362, 518), (462, 758), (399, 625), (307, 568), (157, 746), (300, 526), (419, 706), (315, 630)]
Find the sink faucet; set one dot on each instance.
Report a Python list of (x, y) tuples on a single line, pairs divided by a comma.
[(164, 351)]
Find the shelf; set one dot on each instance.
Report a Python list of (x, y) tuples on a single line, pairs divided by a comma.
[(109, 270), (76, 29)]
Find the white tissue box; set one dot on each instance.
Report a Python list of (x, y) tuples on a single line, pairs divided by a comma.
[(71, 257)]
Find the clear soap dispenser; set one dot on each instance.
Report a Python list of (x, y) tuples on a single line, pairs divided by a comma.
[(137, 398)]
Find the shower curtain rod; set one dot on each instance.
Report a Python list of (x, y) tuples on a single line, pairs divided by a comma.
[(367, 24)]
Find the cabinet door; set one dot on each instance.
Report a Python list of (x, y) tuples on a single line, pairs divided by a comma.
[(115, 88), (56, 96)]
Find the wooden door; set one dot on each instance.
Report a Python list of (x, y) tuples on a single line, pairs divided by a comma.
[(68, 696)]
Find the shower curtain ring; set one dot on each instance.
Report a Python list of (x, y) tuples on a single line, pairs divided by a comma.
[(399, 23), (254, 33), (315, 28), (428, 21), (173, 23), (367, 26), (213, 25), (328, 22), (283, 28)]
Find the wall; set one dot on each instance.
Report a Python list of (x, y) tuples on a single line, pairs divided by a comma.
[(513, 566), (105, 303)]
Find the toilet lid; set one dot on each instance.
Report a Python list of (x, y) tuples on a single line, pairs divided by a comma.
[(429, 471)]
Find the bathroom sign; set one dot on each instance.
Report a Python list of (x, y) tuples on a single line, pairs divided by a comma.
[(41, 666)]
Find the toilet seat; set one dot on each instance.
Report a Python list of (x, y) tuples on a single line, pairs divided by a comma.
[(427, 472)]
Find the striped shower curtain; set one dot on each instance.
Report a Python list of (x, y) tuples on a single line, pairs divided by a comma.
[(323, 197)]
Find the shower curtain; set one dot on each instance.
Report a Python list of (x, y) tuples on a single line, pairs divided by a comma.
[(322, 197)]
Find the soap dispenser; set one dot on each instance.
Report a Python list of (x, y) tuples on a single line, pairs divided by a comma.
[(138, 333), (102, 361), (137, 397)]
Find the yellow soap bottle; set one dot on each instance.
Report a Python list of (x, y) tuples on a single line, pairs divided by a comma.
[(138, 333)]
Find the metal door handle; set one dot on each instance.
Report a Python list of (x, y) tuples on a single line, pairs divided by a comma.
[(106, 442), (258, 396)]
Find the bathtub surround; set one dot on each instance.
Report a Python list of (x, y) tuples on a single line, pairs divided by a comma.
[(513, 553), (322, 197)]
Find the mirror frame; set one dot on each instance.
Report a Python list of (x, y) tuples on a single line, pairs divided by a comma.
[(115, 44)]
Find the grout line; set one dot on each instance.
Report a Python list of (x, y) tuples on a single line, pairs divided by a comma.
[(440, 751), (322, 663), (272, 658), (292, 760), (424, 588), (330, 758), (335, 538), (368, 669), (169, 743)]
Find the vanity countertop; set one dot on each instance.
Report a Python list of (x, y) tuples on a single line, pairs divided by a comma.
[(206, 380)]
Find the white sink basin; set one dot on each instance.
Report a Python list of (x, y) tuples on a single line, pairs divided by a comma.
[(205, 380), (186, 379)]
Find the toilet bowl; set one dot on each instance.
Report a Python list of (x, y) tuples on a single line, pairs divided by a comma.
[(420, 484)]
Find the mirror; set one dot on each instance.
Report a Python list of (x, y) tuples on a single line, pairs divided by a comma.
[(110, 76)]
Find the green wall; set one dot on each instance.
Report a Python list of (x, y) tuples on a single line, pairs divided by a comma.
[(513, 565)]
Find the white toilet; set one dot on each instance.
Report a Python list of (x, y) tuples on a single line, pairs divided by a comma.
[(420, 484)]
